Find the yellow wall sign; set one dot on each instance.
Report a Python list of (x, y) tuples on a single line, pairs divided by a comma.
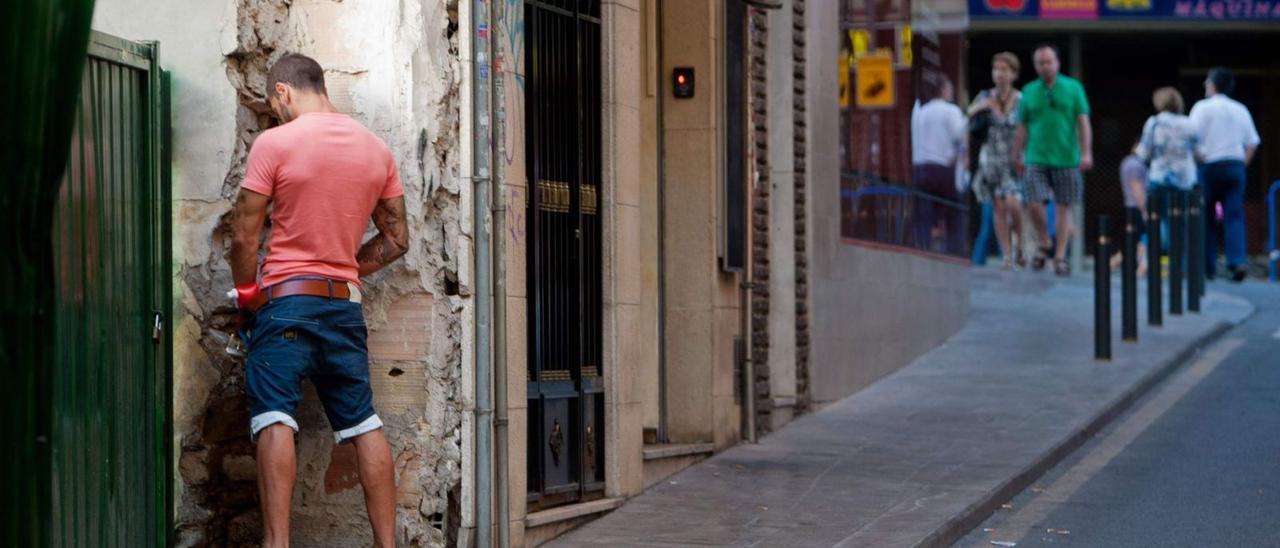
[(875, 81)]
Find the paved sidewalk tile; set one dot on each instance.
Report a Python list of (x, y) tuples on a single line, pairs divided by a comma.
[(897, 461)]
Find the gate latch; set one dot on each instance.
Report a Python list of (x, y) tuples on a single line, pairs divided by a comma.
[(157, 328)]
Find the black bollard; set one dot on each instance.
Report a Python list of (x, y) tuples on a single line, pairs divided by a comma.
[(1195, 249), (1177, 252), (1102, 294), (1155, 308), (1129, 278)]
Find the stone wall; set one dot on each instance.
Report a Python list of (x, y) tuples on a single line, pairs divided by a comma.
[(761, 182), (393, 65), (800, 192)]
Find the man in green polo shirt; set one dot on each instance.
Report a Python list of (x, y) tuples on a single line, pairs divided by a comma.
[(1055, 135)]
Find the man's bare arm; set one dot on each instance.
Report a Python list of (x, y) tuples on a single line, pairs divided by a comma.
[(1019, 144), (247, 216), (392, 240), (1086, 142), (1249, 151)]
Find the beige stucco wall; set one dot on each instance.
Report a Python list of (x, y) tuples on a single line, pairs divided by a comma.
[(780, 50), (647, 377), (393, 66), (872, 311), (702, 308)]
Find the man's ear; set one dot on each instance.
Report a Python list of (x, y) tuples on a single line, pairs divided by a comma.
[(282, 93)]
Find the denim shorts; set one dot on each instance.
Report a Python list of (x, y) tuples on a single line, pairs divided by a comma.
[(319, 338)]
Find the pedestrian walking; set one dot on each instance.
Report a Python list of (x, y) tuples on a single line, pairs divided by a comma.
[(324, 176), (1133, 184), (1227, 141), (1052, 147), (938, 136), (1168, 145), (995, 112)]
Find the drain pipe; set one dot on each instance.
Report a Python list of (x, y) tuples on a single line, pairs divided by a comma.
[(499, 313), (481, 131), (662, 238)]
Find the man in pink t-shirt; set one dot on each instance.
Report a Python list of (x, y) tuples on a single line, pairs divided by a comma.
[(324, 176)]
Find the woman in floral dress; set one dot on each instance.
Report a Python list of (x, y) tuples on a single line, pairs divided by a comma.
[(996, 180)]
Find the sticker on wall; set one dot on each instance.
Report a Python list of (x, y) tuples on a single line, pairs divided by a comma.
[(846, 90), (875, 87)]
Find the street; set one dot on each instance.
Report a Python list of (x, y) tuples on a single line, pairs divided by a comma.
[(1193, 463)]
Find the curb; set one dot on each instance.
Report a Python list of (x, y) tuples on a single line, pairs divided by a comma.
[(973, 516)]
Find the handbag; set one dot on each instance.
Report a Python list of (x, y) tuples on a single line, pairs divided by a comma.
[(979, 126)]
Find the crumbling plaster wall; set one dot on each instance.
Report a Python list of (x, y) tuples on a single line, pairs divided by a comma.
[(393, 65)]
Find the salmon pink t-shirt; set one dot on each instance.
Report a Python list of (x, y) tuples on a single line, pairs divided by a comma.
[(324, 173)]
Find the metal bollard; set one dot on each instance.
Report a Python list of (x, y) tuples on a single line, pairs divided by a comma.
[(1177, 243), (1102, 294), (1129, 278), (1155, 308), (1195, 248)]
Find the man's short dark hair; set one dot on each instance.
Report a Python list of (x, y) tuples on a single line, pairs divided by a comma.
[(299, 71), (1222, 80), (1045, 45)]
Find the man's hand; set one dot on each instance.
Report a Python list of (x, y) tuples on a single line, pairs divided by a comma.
[(1086, 161), (392, 241), (247, 217)]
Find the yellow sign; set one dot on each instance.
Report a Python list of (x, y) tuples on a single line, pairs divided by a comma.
[(905, 54), (1129, 4), (860, 40), (875, 81)]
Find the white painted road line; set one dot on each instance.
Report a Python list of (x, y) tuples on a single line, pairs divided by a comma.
[(1039, 508)]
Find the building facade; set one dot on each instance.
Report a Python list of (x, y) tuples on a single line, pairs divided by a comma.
[(628, 250), (394, 66)]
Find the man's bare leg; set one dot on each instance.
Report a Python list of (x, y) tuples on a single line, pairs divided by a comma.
[(1040, 221), (377, 476), (277, 468), (1064, 229)]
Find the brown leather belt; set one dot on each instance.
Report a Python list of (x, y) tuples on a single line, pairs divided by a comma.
[(333, 289)]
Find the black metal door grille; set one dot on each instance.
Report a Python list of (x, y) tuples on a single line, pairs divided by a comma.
[(566, 398)]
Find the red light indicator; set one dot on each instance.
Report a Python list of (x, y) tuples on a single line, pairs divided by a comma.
[(682, 82)]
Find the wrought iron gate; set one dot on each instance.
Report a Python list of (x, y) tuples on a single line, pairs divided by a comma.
[(566, 390), (110, 395)]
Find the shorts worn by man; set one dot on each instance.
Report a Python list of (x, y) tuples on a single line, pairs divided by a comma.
[(1055, 134), (325, 175)]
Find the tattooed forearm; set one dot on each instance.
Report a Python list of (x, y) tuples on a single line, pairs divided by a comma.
[(392, 241), (246, 219)]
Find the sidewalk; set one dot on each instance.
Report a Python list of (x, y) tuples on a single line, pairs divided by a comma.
[(920, 457)]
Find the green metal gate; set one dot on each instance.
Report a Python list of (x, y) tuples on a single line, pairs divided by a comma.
[(110, 379)]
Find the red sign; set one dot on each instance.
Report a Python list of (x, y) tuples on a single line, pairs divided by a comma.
[(1014, 6)]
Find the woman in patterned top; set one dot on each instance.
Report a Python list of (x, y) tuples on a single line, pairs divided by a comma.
[(1168, 142), (1168, 145), (996, 180)]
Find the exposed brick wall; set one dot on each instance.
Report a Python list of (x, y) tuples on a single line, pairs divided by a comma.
[(798, 28), (758, 86)]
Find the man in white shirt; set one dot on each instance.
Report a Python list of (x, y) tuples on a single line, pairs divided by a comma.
[(939, 131), (1227, 142)]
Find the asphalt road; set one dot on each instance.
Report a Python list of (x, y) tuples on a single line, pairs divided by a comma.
[(1196, 462)]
